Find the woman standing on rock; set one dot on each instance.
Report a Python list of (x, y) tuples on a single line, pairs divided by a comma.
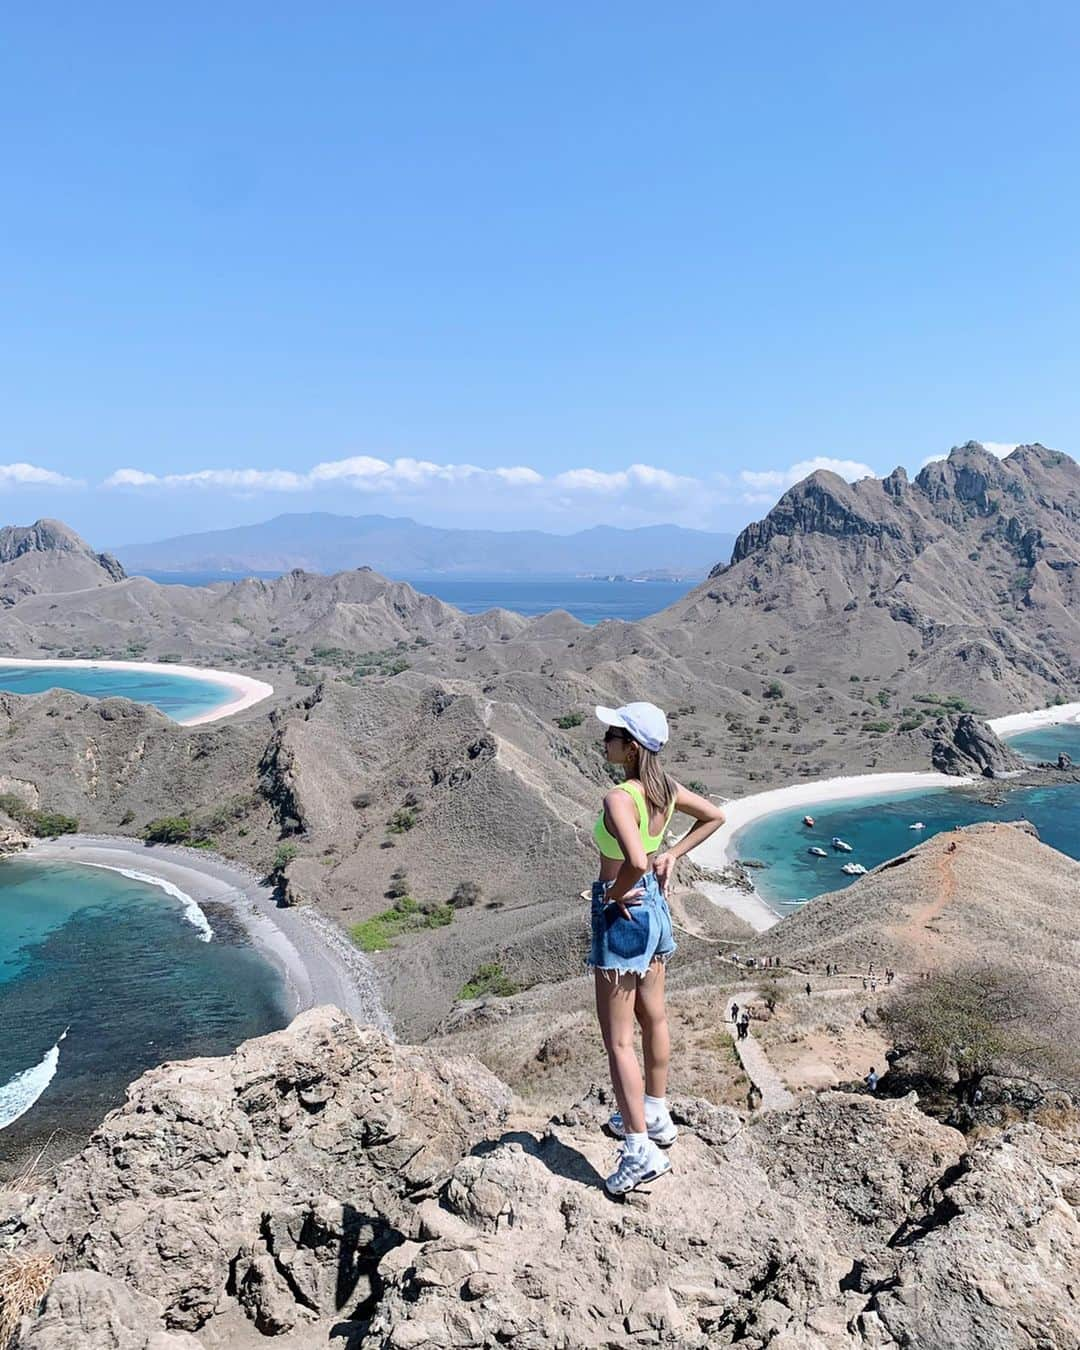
[(631, 931)]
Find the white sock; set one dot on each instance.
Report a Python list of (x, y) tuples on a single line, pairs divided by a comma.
[(637, 1143), (655, 1107)]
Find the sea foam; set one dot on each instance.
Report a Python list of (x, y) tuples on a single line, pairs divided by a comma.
[(19, 1094), (192, 912)]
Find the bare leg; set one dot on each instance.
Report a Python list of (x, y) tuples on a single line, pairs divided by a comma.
[(615, 1011), (655, 1040)]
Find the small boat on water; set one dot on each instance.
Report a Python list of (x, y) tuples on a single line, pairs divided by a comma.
[(817, 852), (917, 826), (808, 821), (854, 869), (840, 845)]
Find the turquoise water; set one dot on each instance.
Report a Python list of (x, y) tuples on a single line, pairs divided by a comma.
[(590, 601), (123, 970), (178, 696), (878, 829), (1048, 742)]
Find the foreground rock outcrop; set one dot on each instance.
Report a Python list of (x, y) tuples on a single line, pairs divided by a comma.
[(323, 1186)]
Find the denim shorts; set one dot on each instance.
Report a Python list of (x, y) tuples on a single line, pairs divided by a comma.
[(629, 946)]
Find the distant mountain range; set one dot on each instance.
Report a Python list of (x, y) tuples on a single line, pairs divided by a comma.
[(323, 542)]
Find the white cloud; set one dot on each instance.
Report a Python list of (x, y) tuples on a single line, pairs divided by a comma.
[(19, 473), (764, 484), (239, 480), (637, 475)]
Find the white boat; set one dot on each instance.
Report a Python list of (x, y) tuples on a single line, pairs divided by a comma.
[(808, 821), (854, 869), (917, 826), (840, 845), (817, 852)]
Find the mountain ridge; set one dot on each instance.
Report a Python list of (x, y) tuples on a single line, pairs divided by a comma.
[(326, 542)]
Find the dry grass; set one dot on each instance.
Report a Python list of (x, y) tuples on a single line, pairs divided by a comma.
[(24, 1280), (31, 1176)]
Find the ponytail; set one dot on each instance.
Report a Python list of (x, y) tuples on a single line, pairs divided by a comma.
[(659, 786)]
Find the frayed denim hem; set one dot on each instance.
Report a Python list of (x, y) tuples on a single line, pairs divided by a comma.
[(613, 973)]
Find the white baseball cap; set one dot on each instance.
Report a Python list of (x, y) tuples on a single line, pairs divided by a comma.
[(644, 721)]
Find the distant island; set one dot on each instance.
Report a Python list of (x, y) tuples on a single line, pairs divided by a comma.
[(395, 545)]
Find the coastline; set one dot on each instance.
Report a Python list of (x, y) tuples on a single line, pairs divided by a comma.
[(246, 690), (1014, 723), (717, 852), (314, 970)]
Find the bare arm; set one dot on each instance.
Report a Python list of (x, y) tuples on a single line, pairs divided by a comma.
[(709, 818)]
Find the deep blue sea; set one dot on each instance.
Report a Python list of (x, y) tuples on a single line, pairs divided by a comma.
[(878, 828), (589, 601), (178, 696), (103, 976)]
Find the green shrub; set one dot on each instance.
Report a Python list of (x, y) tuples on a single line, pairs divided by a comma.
[(877, 726), (912, 723), (568, 720), (406, 915), (403, 819), (774, 690), (167, 830), (696, 785), (283, 856), (466, 894), (489, 980)]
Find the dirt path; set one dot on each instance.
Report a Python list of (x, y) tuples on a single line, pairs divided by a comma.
[(921, 920), (755, 1062)]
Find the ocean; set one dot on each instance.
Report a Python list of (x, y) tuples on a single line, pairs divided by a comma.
[(878, 828), (178, 696), (103, 976), (590, 601)]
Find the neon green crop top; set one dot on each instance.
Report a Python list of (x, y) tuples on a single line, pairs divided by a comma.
[(607, 843)]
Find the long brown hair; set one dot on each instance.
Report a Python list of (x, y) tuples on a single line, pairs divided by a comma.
[(659, 786)]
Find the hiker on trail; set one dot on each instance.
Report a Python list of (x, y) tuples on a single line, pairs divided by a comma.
[(744, 1025), (631, 931), (871, 1079), (808, 989), (734, 1012)]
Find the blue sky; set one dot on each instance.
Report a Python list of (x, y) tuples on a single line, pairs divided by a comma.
[(524, 264)]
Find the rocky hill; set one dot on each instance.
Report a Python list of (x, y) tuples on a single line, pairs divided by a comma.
[(962, 581), (323, 1186), (48, 556)]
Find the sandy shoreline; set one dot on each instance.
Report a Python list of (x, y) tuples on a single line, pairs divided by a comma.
[(316, 963), (716, 852), (1014, 723), (245, 689)]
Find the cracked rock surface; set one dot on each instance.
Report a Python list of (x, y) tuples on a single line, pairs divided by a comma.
[(325, 1187)]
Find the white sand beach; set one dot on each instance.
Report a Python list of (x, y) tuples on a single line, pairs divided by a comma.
[(1014, 723), (317, 963), (246, 691), (739, 812)]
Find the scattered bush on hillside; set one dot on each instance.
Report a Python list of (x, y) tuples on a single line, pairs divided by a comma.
[(961, 1024), (877, 726), (774, 690), (41, 824), (397, 885), (405, 916), (403, 819), (466, 894), (490, 980), (696, 785), (568, 720), (283, 856), (167, 830)]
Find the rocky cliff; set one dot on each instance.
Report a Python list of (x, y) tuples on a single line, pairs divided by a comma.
[(323, 1186), (48, 556)]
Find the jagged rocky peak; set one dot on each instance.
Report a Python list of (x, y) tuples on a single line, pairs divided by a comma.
[(822, 503), (52, 536)]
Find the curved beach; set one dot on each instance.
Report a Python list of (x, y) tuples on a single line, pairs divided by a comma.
[(716, 852), (316, 962), (245, 691), (1014, 723)]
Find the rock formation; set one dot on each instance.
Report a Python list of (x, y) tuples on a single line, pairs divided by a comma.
[(323, 1186), (48, 556), (962, 745)]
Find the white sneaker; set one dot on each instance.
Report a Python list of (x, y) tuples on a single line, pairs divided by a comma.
[(636, 1168), (663, 1131)]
